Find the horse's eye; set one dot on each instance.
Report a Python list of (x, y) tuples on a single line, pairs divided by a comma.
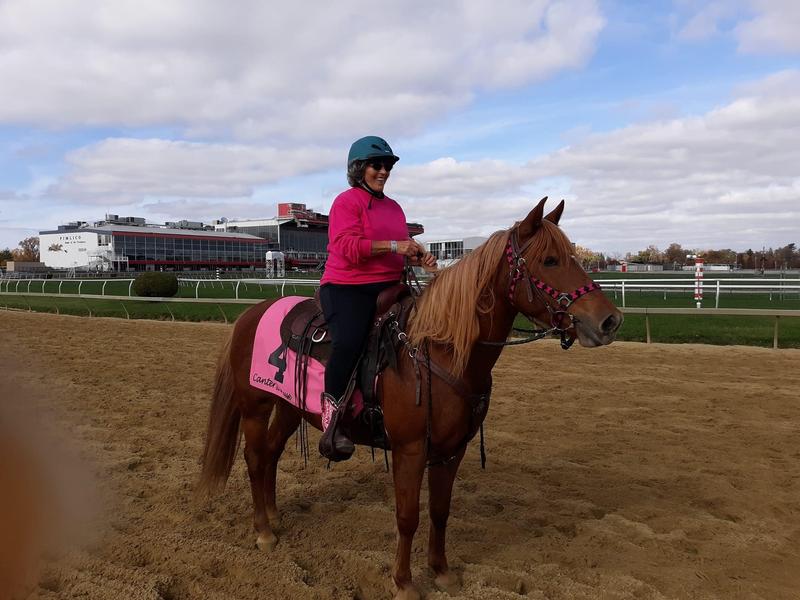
[(550, 261)]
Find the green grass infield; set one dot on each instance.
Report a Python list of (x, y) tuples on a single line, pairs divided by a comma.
[(710, 329)]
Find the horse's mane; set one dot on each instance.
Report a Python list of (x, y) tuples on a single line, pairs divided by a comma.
[(448, 311)]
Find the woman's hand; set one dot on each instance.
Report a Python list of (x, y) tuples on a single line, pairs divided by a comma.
[(426, 260), (409, 248)]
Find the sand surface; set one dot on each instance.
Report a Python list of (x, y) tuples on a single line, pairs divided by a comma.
[(632, 471)]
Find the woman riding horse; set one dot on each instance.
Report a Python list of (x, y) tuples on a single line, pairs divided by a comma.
[(368, 238)]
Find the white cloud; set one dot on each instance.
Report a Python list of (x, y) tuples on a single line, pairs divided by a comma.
[(774, 29), (446, 176), (759, 26), (725, 178), (128, 171), (706, 22), (321, 70), (453, 198)]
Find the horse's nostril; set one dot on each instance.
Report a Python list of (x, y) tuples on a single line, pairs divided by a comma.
[(611, 324)]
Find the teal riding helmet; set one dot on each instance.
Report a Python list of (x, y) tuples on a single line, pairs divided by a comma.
[(368, 147)]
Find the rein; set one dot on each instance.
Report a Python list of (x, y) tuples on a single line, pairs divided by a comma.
[(479, 402), (538, 334)]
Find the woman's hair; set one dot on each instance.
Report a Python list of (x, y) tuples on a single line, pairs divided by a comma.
[(355, 172)]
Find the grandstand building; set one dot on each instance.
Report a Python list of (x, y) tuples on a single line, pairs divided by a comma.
[(301, 234), (129, 244)]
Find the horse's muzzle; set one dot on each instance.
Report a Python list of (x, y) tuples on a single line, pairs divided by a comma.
[(600, 333)]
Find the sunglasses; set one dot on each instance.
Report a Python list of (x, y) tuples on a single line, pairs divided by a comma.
[(379, 164)]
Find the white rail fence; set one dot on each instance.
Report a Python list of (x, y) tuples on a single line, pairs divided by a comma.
[(647, 312), (235, 284), (619, 288), (773, 287), (37, 286)]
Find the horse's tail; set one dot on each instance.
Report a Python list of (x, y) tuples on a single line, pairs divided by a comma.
[(222, 436)]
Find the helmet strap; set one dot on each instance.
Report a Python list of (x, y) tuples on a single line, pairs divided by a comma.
[(372, 193)]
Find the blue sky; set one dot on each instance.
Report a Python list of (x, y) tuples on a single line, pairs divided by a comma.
[(658, 122)]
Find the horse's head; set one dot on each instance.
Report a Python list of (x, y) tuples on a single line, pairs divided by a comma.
[(548, 284)]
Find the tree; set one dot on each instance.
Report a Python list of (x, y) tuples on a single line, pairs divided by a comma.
[(28, 250), (654, 255), (789, 253), (650, 255), (5, 255), (675, 254), (586, 257), (725, 256)]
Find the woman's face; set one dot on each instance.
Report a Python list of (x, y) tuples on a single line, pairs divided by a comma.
[(376, 173)]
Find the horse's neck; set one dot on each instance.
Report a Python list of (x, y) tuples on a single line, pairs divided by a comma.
[(495, 326)]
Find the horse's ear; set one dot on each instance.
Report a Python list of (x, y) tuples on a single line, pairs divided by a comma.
[(533, 221), (555, 215)]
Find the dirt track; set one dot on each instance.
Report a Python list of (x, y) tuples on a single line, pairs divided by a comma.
[(631, 471)]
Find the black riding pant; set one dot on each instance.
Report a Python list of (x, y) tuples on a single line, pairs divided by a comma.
[(349, 311)]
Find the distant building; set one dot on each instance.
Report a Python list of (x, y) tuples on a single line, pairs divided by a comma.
[(298, 232), (708, 267), (453, 249), (129, 244), (629, 267)]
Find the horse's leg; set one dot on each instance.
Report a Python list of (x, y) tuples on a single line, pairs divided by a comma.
[(256, 452), (408, 465), (440, 490), (283, 425)]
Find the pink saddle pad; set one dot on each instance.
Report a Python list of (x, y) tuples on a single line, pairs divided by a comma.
[(272, 367)]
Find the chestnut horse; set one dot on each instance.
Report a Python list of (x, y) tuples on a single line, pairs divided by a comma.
[(461, 323)]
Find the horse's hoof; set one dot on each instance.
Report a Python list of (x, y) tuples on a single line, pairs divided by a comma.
[(448, 582), (267, 543)]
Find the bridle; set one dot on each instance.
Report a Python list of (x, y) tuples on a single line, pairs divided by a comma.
[(561, 319)]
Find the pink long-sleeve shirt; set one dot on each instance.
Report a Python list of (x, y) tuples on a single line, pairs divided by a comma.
[(352, 227)]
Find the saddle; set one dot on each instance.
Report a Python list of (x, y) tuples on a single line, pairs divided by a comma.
[(305, 322), (305, 331)]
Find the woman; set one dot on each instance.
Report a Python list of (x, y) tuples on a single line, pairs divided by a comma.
[(368, 242)]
